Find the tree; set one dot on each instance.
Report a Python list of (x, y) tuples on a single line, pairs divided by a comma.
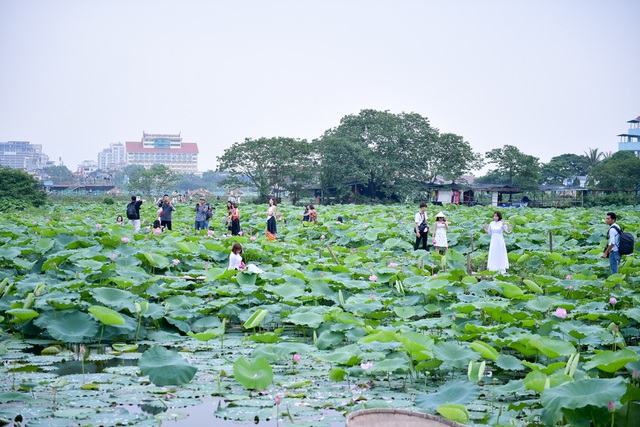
[(19, 186), (59, 174), (268, 163), (155, 180), (619, 172), (391, 154), (564, 166), (594, 156), (520, 169)]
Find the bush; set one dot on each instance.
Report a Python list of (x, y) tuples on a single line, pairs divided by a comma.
[(108, 200), (21, 187)]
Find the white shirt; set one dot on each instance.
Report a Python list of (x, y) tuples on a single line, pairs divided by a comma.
[(614, 238), (234, 261), (419, 217)]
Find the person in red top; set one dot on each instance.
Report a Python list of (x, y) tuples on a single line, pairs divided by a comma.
[(235, 220)]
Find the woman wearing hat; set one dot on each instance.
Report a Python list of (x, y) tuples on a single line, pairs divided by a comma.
[(440, 228)]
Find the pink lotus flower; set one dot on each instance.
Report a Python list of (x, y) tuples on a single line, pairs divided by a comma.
[(98, 226), (37, 292), (434, 242), (296, 358), (125, 240), (366, 365), (453, 317), (372, 297), (253, 238), (584, 232), (373, 278), (322, 237), (210, 233), (175, 261), (568, 277), (635, 374), (112, 256), (612, 407), (613, 300), (435, 275), (560, 312), (393, 264), (240, 233), (82, 349), (570, 288), (277, 400)]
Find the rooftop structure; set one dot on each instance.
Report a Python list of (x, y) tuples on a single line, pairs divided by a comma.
[(165, 149), (630, 141)]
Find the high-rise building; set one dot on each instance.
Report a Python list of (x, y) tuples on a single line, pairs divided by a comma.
[(630, 141), (23, 155), (112, 158), (165, 149)]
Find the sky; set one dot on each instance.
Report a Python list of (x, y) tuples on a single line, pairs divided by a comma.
[(549, 77)]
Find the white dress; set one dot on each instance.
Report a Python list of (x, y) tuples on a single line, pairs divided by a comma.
[(498, 260), (441, 235), (234, 264)]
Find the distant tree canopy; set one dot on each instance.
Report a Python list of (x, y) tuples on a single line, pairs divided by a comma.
[(621, 171), (157, 179), (19, 186), (564, 166), (514, 167), (282, 163), (387, 155)]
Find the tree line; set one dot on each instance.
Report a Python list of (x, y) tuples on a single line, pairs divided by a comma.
[(392, 156)]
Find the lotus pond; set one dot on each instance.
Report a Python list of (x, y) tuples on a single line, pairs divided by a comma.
[(102, 327)]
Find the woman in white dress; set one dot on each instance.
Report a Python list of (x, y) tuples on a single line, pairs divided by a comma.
[(236, 263), (498, 260), (440, 228)]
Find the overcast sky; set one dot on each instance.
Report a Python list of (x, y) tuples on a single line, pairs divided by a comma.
[(547, 76)]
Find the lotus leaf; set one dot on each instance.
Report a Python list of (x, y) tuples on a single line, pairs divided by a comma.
[(253, 374), (454, 392), (596, 392), (454, 412), (165, 367), (454, 354), (611, 361), (23, 314), (106, 315), (72, 326)]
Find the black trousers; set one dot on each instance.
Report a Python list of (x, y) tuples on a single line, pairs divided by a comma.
[(423, 237), (166, 224)]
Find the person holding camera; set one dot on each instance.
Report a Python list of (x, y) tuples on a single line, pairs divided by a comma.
[(421, 227), (167, 208)]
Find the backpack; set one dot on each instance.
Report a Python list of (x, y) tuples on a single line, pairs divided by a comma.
[(131, 211), (625, 241), (209, 213)]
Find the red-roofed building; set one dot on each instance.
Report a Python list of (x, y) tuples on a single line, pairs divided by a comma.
[(165, 149)]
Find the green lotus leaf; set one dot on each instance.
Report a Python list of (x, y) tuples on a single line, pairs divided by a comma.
[(537, 381), (311, 319), (255, 319), (454, 412), (337, 374), (155, 259), (23, 314), (106, 315), (72, 326), (253, 374), (552, 348), (165, 367), (115, 298), (611, 361), (245, 278), (596, 392), (454, 392), (44, 245), (485, 350), (454, 354), (209, 334), (396, 364)]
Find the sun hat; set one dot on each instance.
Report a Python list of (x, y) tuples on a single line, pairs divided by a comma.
[(440, 215)]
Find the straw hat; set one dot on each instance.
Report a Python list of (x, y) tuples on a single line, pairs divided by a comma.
[(440, 215)]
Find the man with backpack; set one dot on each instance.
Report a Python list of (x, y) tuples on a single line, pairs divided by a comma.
[(133, 212), (619, 243)]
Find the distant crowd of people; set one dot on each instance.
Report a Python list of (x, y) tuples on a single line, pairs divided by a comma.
[(497, 258)]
